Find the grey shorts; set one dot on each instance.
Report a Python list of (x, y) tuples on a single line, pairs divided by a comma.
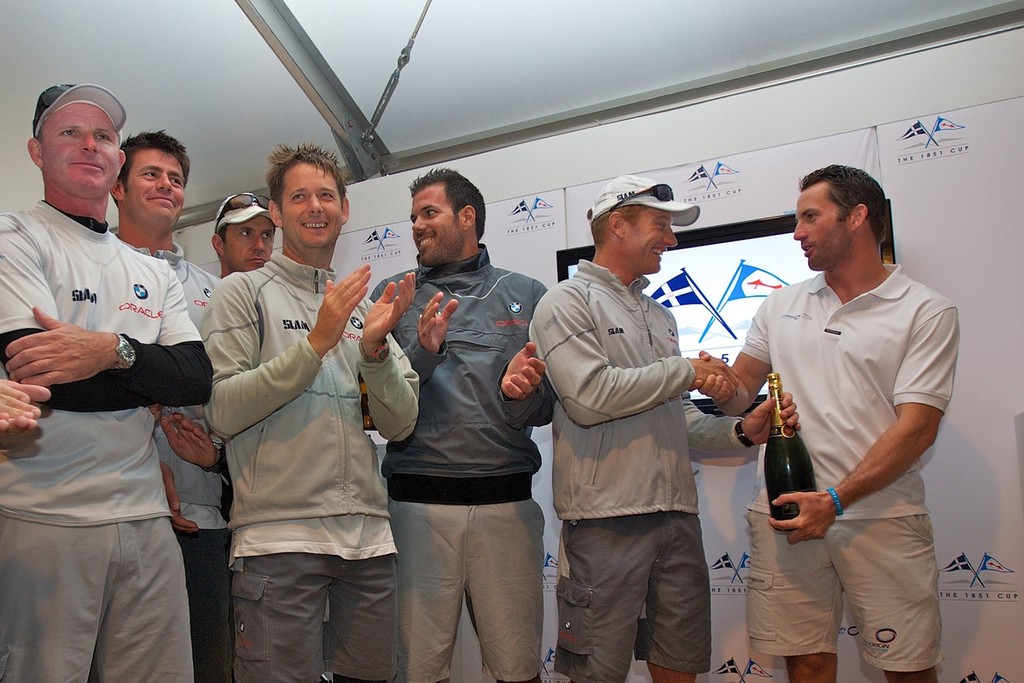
[(885, 567), (116, 590), (279, 603), (611, 570), (492, 557)]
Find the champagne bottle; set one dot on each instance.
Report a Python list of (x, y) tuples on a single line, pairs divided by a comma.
[(364, 405), (787, 464)]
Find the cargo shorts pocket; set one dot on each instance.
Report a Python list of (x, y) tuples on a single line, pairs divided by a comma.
[(575, 622), (251, 635), (760, 606)]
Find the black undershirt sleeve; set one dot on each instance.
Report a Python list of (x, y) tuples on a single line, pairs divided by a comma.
[(179, 375)]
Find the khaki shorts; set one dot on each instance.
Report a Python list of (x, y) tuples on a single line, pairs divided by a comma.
[(885, 567), (489, 555)]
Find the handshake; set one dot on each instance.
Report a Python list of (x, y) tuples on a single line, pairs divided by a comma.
[(714, 378)]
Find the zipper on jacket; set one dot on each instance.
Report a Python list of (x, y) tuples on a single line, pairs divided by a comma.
[(316, 281)]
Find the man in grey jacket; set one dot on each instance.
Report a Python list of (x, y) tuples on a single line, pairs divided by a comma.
[(466, 525), (310, 520), (623, 425)]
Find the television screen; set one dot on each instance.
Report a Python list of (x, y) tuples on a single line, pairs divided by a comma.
[(715, 278)]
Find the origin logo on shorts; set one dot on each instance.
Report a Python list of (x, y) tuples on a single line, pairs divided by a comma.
[(883, 637)]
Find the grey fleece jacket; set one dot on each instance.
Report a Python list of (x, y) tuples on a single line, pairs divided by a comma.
[(623, 424), (297, 448)]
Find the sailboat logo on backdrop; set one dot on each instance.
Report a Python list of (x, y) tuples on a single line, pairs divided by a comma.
[(725, 574), (928, 139), (381, 243), (988, 580), (714, 181), (973, 678), (529, 215), (751, 669)]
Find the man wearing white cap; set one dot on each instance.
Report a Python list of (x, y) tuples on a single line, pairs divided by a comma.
[(90, 575), (623, 484), (243, 233)]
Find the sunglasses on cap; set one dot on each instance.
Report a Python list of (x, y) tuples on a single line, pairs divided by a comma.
[(661, 192), (242, 200)]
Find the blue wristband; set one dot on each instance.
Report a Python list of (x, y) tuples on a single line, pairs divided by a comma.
[(835, 501)]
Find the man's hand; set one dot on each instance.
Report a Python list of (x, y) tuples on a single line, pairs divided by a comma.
[(524, 373), (757, 425), (432, 326), (189, 440), (817, 513), (386, 312), (336, 309), (170, 490), (60, 354), (17, 414), (713, 378)]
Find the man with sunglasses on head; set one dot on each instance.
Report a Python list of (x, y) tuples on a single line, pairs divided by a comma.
[(243, 234), (90, 576), (623, 483), (150, 196)]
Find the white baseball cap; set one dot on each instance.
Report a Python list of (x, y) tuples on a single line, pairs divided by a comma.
[(630, 190)]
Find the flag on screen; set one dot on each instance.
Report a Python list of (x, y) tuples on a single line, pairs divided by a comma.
[(681, 290), (751, 281)]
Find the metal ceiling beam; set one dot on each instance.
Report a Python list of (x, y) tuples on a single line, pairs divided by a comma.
[(968, 26), (300, 56)]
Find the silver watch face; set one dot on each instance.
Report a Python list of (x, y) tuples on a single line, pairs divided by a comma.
[(125, 353)]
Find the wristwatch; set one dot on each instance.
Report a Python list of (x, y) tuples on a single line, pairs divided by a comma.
[(744, 439), (125, 353)]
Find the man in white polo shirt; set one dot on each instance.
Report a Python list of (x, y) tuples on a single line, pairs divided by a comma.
[(89, 570), (870, 354)]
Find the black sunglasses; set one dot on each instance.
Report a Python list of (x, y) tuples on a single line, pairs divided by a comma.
[(661, 192), (242, 200)]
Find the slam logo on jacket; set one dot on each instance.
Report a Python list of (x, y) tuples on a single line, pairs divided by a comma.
[(83, 295)]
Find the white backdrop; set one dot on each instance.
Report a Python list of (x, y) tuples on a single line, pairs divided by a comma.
[(946, 186)]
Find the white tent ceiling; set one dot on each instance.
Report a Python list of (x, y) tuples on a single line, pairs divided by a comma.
[(233, 79)]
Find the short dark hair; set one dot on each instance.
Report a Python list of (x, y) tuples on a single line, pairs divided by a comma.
[(458, 189), (158, 140), (848, 187), (284, 158)]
